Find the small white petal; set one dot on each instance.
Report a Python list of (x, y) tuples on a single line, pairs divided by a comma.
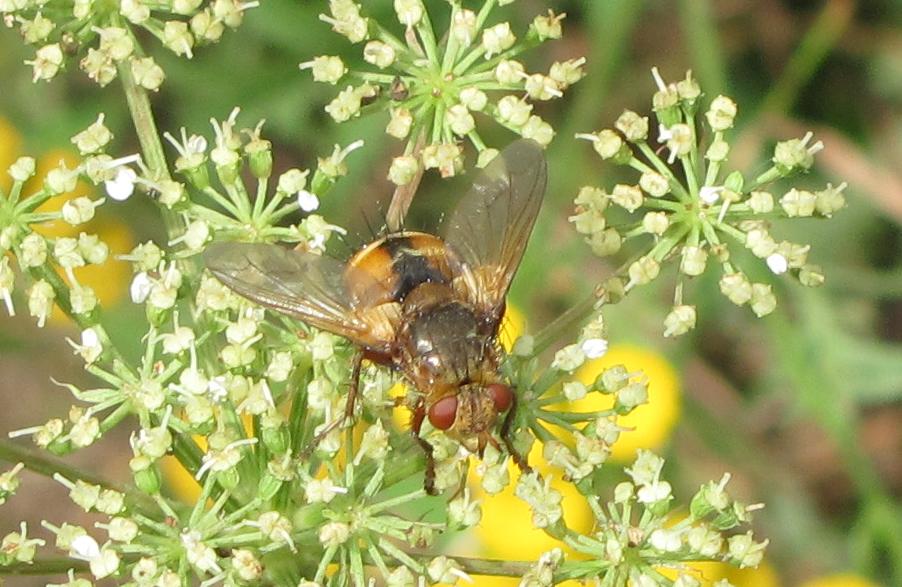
[(709, 194), (84, 547), (307, 201), (595, 347), (777, 263), (140, 288), (123, 186), (664, 134), (89, 338)]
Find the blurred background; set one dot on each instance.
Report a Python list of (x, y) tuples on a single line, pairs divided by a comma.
[(803, 407)]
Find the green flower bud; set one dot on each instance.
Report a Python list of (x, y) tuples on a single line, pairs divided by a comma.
[(633, 126), (721, 113), (628, 197), (830, 200), (736, 287), (146, 476), (761, 202), (811, 276), (693, 260), (644, 271), (718, 150), (798, 203), (654, 184), (679, 321), (763, 301)]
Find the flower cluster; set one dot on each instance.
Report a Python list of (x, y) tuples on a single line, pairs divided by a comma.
[(105, 35), (48, 237), (696, 211), (436, 86), (639, 537)]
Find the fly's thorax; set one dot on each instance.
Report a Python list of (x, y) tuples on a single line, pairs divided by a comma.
[(440, 344)]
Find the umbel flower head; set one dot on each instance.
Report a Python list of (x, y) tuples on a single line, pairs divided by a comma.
[(437, 85), (102, 34), (692, 210)]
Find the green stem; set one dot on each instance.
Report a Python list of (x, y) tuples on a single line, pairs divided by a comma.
[(145, 125), (42, 464), (45, 566)]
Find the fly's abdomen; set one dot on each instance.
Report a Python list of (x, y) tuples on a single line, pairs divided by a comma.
[(388, 269)]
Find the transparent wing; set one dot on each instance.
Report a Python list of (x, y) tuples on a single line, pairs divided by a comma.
[(307, 286), (488, 231)]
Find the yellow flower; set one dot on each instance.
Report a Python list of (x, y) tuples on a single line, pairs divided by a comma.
[(10, 143), (650, 424), (513, 325), (840, 580)]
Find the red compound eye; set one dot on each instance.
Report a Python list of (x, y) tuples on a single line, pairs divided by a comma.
[(443, 412), (502, 396)]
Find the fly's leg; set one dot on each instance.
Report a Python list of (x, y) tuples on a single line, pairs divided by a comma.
[(348, 413), (507, 436), (419, 414)]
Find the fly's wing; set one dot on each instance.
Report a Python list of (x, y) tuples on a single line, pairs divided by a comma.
[(303, 285), (488, 231)]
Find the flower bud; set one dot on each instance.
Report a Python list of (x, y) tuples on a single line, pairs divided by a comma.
[(644, 270), (334, 534), (567, 73), (830, 200), (537, 130), (206, 26), (379, 54), (326, 68), (513, 110), (798, 203), (460, 120), (630, 396), (548, 26), (811, 276), (497, 39), (763, 301), (463, 26), (655, 223), (679, 321), (23, 169), (679, 138), (473, 98), (717, 150), (761, 202), (542, 87), (147, 73), (795, 155), (509, 72), (627, 196), (693, 260), (721, 113), (654, 184), (47, 62), (177, 38), (606, 242), (633, 126), (736, 287), (399, 123), (410, 12)]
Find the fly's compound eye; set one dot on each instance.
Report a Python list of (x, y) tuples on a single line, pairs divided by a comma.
[(443, 412), (502, 396)]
